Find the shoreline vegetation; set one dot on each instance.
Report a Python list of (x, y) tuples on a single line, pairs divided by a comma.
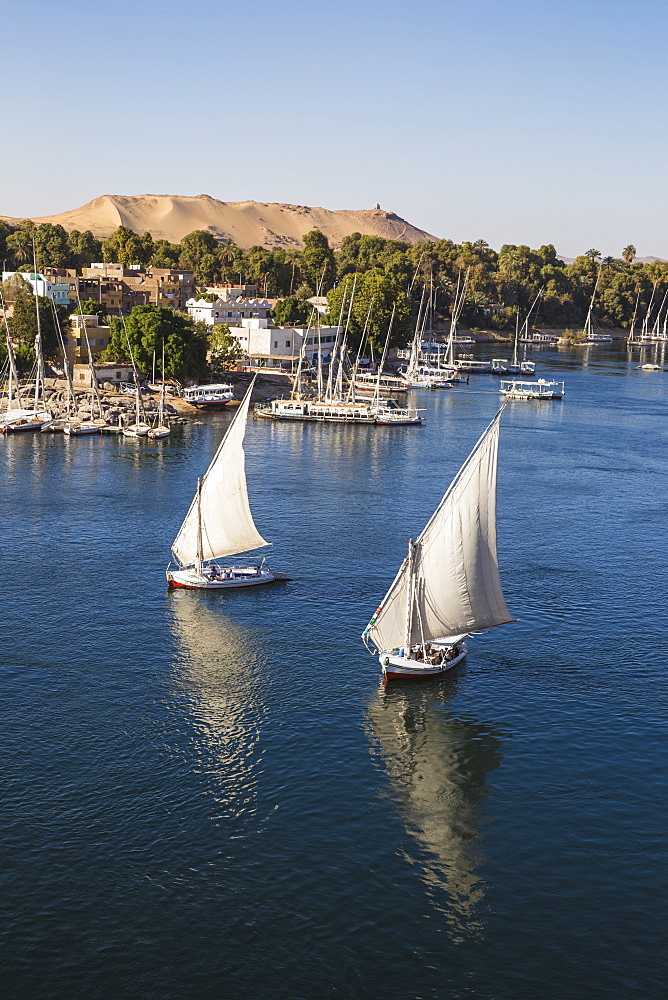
[(390, 279)]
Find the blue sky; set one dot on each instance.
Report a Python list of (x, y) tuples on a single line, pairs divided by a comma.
[(515, 122)]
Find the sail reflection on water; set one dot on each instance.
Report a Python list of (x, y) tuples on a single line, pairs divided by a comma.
[(217, 671), (438, 764)]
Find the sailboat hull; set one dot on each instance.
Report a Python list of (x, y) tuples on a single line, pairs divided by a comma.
[(29, 421), (401, 668), (241, 576), (81, 430)]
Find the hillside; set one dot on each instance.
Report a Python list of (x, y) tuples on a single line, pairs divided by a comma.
[(247, 223)]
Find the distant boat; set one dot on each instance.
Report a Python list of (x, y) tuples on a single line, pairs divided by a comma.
[(590, 336), (515, 366), (541, 389), (448, 585), (160, 429), (219, 523)]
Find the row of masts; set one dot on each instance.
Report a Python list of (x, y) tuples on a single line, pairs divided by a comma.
[(19, 415)]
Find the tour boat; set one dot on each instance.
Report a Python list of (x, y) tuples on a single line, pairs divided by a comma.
[(219, 522), (384, 411), (428, 377), (208, 396), (541, 389), (448, 585)]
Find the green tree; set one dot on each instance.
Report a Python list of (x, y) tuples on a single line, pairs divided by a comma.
[(225, 349), (125, 247), (198, 253), (629, 253), (375, 292), (51, 248), (231, 262), (20, 244), (16, 286), (165, 254), (291, 311), (82, 248), (148, 328), (5, 231), (318, 266)]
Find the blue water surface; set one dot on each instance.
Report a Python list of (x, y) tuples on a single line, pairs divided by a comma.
[(211, 795)]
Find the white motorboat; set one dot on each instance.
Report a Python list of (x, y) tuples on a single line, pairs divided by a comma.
[(219, 522), (448, 585), (208, 396), (540, 389)]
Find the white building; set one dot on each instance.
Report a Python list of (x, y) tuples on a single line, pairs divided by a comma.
[(232, 311), (258, 340), (58, 293)]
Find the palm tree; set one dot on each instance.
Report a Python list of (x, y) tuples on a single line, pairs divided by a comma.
[(593, 255), (628, 253)]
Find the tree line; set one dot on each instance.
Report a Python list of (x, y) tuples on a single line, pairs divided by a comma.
[(499, 283), (391, 277)]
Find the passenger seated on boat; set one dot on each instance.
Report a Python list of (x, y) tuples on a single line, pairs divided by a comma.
[(214, 574)]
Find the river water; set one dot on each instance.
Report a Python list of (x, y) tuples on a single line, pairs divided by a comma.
[(212, 796)]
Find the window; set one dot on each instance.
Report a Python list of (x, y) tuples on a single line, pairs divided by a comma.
[(275, 343), (287, 343), (118, 375)]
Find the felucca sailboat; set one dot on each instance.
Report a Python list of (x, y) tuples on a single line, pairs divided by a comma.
[(219, 522), (448, 584)]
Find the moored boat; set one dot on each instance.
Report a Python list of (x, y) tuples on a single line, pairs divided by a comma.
[(207, 397), (338, 412)]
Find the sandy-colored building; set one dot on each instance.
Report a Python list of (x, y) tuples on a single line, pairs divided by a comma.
[(75, 339)]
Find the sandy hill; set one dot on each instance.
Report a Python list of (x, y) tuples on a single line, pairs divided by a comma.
[(248, 223)]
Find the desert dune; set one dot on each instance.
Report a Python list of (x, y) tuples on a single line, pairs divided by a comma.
[(247, 223)]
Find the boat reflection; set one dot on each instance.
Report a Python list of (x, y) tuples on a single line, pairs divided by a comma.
[(438, 763), (218, 674)]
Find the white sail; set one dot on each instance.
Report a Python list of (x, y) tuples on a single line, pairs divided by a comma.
[(455, 574), (226, 523)]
